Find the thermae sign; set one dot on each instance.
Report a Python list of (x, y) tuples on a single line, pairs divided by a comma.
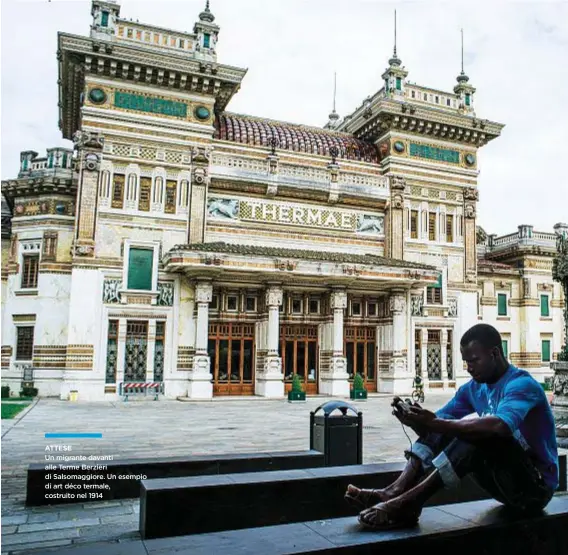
[(294, 215)]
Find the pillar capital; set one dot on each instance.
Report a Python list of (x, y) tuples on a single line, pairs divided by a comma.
[(397, 302), (203, 292), (338, 299), (274, 295)]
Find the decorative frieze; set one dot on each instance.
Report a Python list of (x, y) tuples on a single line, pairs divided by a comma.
[(79, 357), (295, 215)]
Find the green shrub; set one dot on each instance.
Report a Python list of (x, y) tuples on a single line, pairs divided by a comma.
[(5, 391), (28, 392), (358, 382), (297, 383)]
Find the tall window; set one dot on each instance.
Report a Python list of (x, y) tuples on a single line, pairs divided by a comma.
[(206, 40), (414, 224), (117, 190), (501, 304), (432, 226), (104, 19), (545, 350), (449, 228), (434, 293), (159, 352), (140, 264), (112, 351), (171, 187), (398, 83), (505, 345), (544, 306), (24, 342), (30, 266), (144, 198)]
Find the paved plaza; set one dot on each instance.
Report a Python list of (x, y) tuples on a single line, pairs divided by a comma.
[(153, 429)]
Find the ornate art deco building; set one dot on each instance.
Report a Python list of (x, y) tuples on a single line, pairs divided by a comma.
[(219, 253)]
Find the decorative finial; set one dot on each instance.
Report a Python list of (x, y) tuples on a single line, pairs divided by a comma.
[(395, 61), (462, 49), (334, 88), (333, 116), (206, 15), (462, 77), (395, 33)]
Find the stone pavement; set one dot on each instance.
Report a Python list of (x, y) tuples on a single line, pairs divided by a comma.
[(153, 429)]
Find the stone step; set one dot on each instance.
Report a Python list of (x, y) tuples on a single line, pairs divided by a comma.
[(466, 529), (232, 502)]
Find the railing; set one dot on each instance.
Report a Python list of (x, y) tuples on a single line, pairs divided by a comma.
[(363, 180), (304, 173), (181, 42)]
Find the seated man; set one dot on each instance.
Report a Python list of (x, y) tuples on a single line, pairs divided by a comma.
[(418, 383), (510, 450)]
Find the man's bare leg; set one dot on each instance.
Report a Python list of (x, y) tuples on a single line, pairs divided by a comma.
[(408, 478), (407, 506)]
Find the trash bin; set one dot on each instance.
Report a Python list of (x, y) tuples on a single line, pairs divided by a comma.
[(73, 395), (338, 436)]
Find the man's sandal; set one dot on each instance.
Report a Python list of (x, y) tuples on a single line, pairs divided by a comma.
[(363, 498), (382, 518)]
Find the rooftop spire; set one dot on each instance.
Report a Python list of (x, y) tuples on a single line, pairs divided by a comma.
[(395, 61), (462, 50), (333, 116), (462, 77), (206, 15)]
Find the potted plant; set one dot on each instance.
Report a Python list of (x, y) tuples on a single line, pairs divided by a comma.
[(296, 393), (358, 391)]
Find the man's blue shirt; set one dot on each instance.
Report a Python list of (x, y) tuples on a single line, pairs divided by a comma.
[(519, 400)]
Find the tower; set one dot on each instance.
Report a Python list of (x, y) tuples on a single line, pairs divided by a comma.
[(463, 89), (105, 15), (395, 75), (207, 34)]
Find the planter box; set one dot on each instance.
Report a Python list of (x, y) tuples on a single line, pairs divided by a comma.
[(296, 395), (358, 394)]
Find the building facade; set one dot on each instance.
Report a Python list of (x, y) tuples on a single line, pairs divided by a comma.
[(517, 295), (220, 253)]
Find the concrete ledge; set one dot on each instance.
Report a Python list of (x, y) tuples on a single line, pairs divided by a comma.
[(247, 500), (467, 528), (167, 467)]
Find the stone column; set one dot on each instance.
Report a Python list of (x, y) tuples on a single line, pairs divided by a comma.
[(399, 379), (394, 240), (89, 146), (200, 386), (198, 198), (270, 380), (529, 312), (470, 197), (151, 350), (335, 381), (444, 356)]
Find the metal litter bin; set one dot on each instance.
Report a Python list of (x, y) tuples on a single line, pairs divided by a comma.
[(338, 436)]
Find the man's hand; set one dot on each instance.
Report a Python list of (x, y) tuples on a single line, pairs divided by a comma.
[(416, 418)]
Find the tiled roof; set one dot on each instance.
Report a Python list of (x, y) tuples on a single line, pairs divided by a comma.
[(299, 138), (323, 256)]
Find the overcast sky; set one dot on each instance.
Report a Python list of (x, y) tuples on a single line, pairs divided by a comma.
[(515, 54)]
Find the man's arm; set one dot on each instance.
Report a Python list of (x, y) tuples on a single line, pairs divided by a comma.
[(486, 427)]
